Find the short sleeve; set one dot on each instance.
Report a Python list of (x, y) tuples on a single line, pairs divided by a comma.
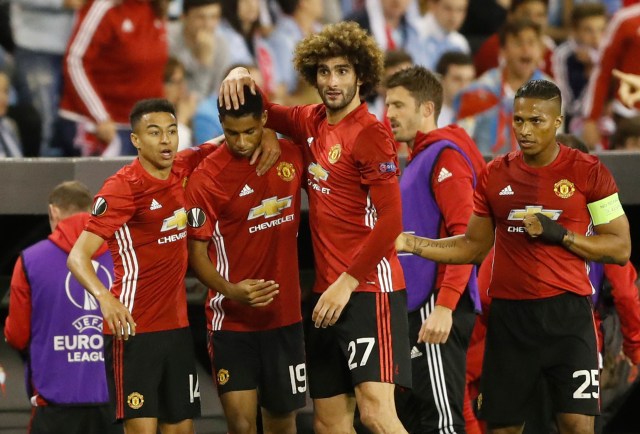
[(376, 156), (601, 183), (201, 207), (113, 206), (480, 204)]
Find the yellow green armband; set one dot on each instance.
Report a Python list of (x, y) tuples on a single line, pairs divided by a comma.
[(605, 210)]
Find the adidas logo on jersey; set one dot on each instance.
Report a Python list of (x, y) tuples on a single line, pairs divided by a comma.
[(444, 174), (155, 205), (246, 190), (507, 191), (415, 352)]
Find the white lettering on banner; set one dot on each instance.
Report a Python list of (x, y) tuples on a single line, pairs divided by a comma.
[(78, 342), (172, 238), (78, 356), (272, 223), (316, 187)]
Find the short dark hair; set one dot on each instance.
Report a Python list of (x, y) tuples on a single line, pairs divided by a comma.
[(187, 5), (452, 58), (515, 26), (288, 7), (253, 105), (587, 10), (515, 4), (626, 129), (71, 196), (393, 58), (572, 141), (151, 105), (539, 89), (423, 85)]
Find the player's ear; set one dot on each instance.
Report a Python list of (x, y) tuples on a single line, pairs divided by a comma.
[(135, 140), (428, 108), (264, 118), (558, 121)]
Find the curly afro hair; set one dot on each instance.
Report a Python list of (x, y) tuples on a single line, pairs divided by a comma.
[(345, 39)]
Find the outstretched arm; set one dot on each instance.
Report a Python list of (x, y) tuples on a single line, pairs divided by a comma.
[(116, 315), (470, 248)]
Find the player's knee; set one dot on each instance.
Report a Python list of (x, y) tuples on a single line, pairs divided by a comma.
[(279, 424), (329, 425), (239, 424), (576, 424)]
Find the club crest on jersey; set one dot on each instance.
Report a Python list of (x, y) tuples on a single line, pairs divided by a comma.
[(185, 180), (389, 167), (286, 171), (135, 400), (177, 221), (99, 206), (223, 377), (196, 217), (334, 153), (564, 188), (520, 214), (270, 207), (319, 173)]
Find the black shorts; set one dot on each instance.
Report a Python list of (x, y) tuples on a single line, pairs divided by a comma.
[(529, 341), (153, 375), (271, 361), (368, 343), (55, 419), (439, 373)]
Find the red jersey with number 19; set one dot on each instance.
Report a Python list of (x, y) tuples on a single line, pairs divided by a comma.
[(343, 160), (509, 189), (252, 224), (144, 222)]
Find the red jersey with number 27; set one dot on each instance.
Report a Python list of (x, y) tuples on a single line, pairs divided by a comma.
[(144, 221), (529, 268), (343, 160), (251, 223)]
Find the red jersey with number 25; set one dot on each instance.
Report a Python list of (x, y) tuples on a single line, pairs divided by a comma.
[(529, 268), (144, 222), (343, 160), (252, 224)]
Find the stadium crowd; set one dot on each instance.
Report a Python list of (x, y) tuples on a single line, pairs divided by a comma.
[(450, 81)]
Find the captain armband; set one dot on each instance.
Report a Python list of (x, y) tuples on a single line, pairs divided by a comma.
[(605, 210)]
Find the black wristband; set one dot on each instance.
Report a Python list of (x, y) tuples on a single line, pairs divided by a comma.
[(552, 231)]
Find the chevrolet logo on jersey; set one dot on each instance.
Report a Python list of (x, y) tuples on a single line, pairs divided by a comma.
[(177, 221), (520, 214), (270, 207), (319, 173)]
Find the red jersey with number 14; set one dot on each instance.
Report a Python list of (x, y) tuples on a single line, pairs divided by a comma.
[(529, 268), (343, 160), (144, 222), (252, 224)]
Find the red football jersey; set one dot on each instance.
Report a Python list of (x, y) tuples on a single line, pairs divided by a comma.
[(342, 161), (529, 268), (144, 221), (252, 224)]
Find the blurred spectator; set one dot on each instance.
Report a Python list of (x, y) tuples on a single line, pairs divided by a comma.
[(393, 25), (627, 135), (206, 122), (573, 61), (242, 30), (488, 56), (195, 41), (299, 19), (484, 18), (116, 56), (619, 49), (485, 108), (184, 100), (439, 31), (9, 142), (41, 30), (394, 61), (6, 36), (456, 73)]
